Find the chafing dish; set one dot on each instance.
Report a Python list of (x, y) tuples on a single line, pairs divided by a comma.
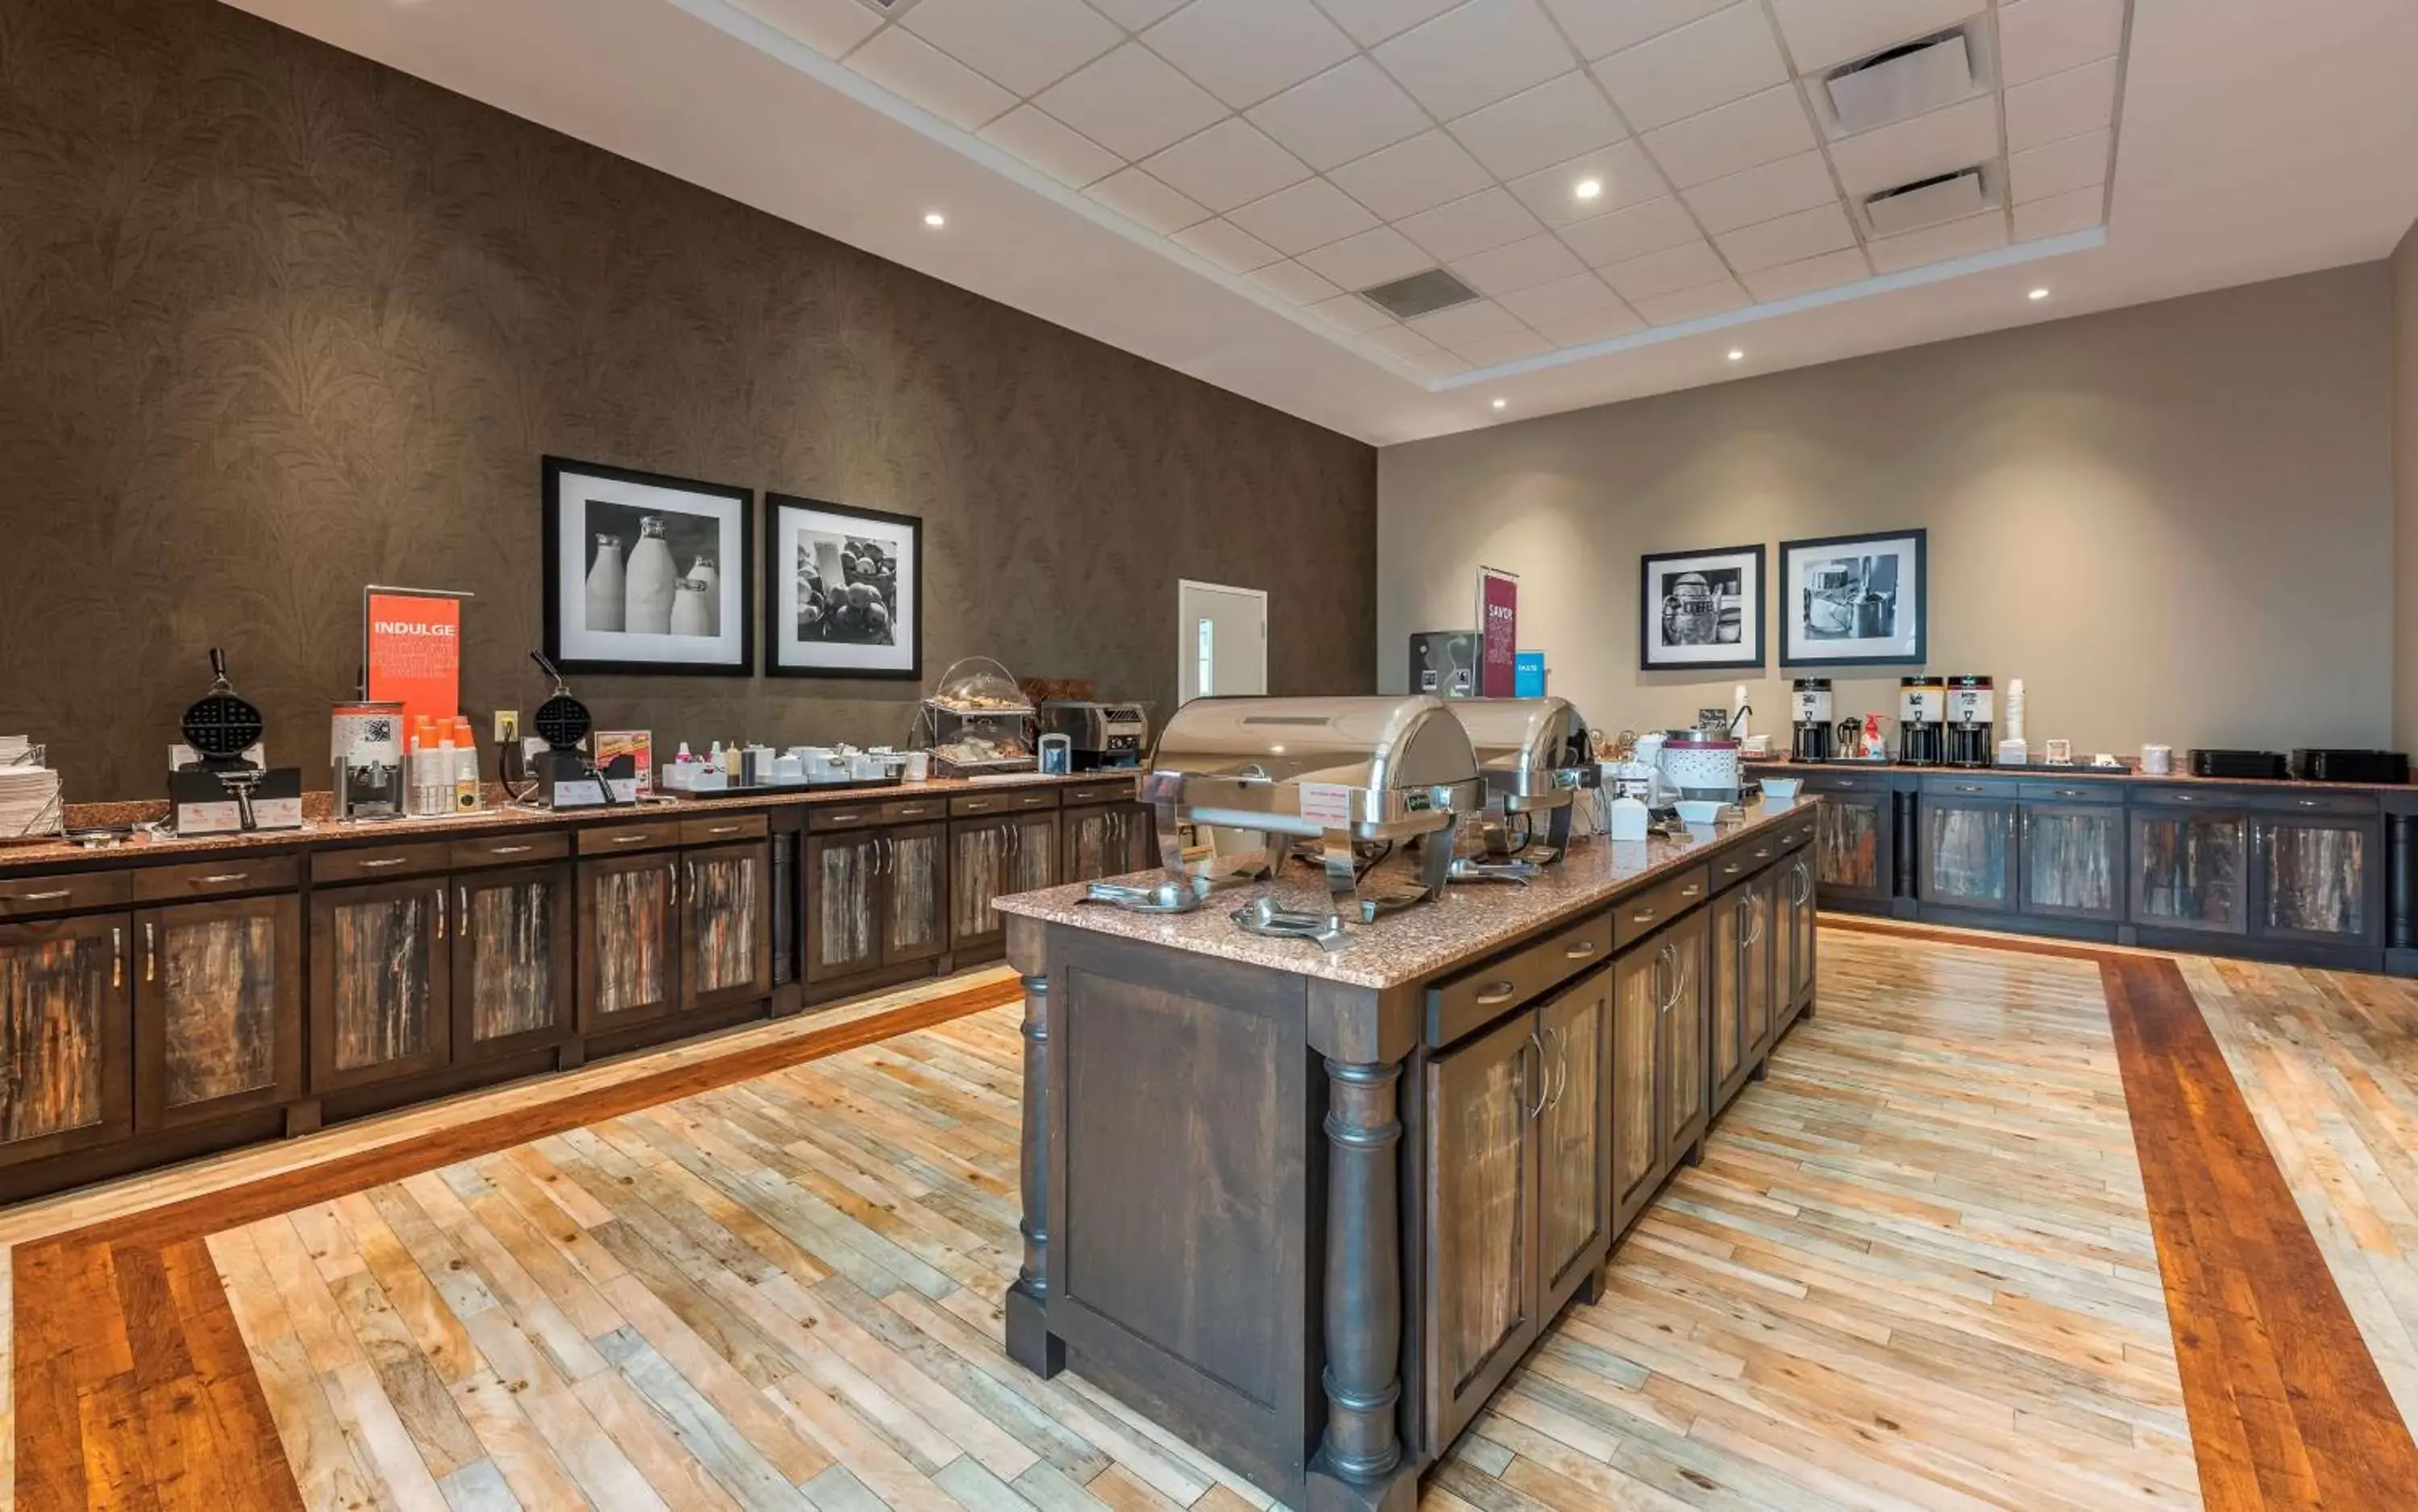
[(1353, 774), (1533, 756)]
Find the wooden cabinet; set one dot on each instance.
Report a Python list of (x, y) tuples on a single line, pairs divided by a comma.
[(1856, 841), (2320, 878), (1482, 1153), (726, 925), (1108, 840), (2191, 867), (1796, 896), (67, 1054), (876, 898), (1969, 851), (1660, 1032), (629, 932), (513, 961), (2073, 860), (1574, 1138), (218, 1009), (915, 893), (1685, 1084), (381, 982), (1728, 937), (990, 858)]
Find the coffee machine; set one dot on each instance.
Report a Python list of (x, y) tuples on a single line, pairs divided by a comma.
[(1971, 737), (1810, 699), (1922, 705)]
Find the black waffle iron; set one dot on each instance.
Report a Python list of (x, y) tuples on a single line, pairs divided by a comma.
[(567, 777), (221, 729)]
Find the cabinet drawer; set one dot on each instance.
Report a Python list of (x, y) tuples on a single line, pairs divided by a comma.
[(355, 863), (716, 829), (2179, 795), (2084, 791), (2295, 800), (1634, 918), (1846, 782), (1972, 787), (1799, 833), (1127, 791), (509, 849), (1477, 997), (1746, 858), (622, 839), (215, 879), (24, 896), (973, 806), (864, 816)]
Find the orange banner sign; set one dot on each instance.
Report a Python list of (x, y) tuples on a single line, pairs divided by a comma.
[(415, 654)]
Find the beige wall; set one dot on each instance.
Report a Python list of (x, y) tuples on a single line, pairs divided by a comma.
[(2405, 488), (2174, 522)]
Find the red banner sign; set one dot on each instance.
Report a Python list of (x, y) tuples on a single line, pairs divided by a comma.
[(415, 654), (1499, 634)]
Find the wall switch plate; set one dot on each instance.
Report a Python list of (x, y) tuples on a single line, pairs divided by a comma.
[(507, 726)]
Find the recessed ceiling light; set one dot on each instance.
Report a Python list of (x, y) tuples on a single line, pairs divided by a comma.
[(1588, 188), (935, 219), (1502, 404), (1736, 356), (2039, 294)]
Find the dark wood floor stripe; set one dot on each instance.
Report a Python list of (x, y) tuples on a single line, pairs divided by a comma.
[(134, 1387)]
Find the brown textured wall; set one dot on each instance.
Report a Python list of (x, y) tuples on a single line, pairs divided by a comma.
[(276, 322)]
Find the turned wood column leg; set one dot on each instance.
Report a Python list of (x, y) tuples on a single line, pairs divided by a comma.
[(1360, 1462), (1029, 1341)]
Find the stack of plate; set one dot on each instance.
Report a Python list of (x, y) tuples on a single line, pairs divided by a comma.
[(29, 794)]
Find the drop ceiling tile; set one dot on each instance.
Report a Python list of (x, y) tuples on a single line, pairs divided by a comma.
[(1294, 284), (1788, 240), (2076, 162), (1370, 21), (1602, 27), (1369, 259), (1684, 267), (1943, 142), (1310, 214), (1131, 102), (1623, 169), (1400, 341), (1413, 175), (1602, 324), (1348, 112), (1475, 321), (1064, 154), (1728, 55), (1243, 51), (1776, 189), (1563, 297), (1981, 233), (1231, 163), (1495, 350), (1467, 226), (828, 26), (1823, 32), (1133, 15), (1028, 46), (2073, 210), (2038, 37), (1143, 199), (1351, 312), (1713, 298), (1437, 364), (2061, 105), (1537, 128), (1475, 55), (1733, 138), (1828, 271), (1522, 265), (1227, 245), (1650, 227), (915, 70)]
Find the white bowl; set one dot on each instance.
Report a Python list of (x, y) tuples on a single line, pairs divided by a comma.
[(1699, 810), (1782, 788)]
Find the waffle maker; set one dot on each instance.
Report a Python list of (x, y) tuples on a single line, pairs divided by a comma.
[(567, 778), (224, 791)]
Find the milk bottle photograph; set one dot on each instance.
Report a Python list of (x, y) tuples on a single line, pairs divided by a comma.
[(647, 573), (649, 578)]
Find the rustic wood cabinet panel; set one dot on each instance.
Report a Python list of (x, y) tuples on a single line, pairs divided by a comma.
[(67, 1056), (628, 924), (915, 893), (1482, 1215), (1855, 845), (1638, 991), (218, 1009), (2074, 861), (990, 858), (513, 961), (1802, 897), (1765, 929), (1108, 840), (2190, 869), (1574, 1138), (1682, 1051), (1967, 858), (381, 984), (1731, 925), (2320, 879), (726, 898), (843, 903)]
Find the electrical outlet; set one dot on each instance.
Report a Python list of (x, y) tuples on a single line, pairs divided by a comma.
[(507, 726)]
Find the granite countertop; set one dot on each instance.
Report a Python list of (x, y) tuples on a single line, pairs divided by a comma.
[(2038, 772), (326, 831), (1471, 921)]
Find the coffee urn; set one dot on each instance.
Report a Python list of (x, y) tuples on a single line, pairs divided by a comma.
[(1922, 703), (1971, 737), (1810, 699)]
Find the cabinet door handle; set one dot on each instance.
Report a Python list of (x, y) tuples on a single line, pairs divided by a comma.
[(1581, 951), (1692, 889), (117, 956), (1642, 916), (441, 913), (846, 818), (2308, 803), (1496, 992), (508, 850), (1968, 787), (688, 879), (150, 954), (378, 864), (672, 874), (224, 877), (887, 850), (1764, 854), (464, 891), (722, 828), (1562, 1065), (1544, 1075), (46, 897)]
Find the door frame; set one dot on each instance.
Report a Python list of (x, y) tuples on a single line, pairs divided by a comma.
[(1186, 646)]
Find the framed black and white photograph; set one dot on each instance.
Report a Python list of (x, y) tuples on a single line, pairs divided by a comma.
[(1700, 609), (844, 588), (648, 573), (1853, 600)]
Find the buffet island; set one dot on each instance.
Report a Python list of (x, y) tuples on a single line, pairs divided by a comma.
[(1307, 1202)]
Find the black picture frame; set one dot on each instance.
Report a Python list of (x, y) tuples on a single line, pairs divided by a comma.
[(573, 646), (1655, 654), (785, 652), (1907, 642)]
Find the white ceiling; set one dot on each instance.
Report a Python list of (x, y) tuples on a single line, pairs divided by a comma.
[(1204, 181)]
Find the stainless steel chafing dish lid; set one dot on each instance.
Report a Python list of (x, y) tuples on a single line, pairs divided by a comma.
[(1531, 752), (1381, 768)]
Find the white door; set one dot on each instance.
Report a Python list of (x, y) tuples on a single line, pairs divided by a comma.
[(1222, 640)]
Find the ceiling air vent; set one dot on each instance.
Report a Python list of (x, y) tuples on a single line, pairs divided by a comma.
[(1421, 293), (1902, 82), (1925, 202)]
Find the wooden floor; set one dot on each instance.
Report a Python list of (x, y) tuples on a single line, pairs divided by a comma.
[(1922, 1265)]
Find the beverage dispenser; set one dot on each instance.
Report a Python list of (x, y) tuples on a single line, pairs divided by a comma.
[(1810, 699)]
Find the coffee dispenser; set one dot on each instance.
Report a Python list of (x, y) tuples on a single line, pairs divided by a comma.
[(1922, 705), (1970, 738), (1810, 699)]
